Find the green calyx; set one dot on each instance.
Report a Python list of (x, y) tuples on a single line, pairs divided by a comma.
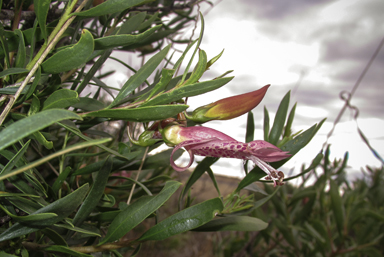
[(145, 139), (198, 115)]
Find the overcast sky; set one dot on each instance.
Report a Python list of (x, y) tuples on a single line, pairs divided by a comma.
[(314, 48)]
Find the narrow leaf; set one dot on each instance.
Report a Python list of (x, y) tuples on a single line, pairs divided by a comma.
[(12, 71), (21, 56), (109, 7), (337, 206), (41, 8), (95, 193), (66, 250), (132, 24), (60, 179), (234, 223), (72, 57), (187, 91), (140, 76), (254, 175), (31, 219), (89, 104), (15, 159), (54, 155), (123, 40), (62, 207), (278, 123), (185, 220), (136, 212), (62, 98), (28, 125), (141, 114), (288, 126), (250, 134)]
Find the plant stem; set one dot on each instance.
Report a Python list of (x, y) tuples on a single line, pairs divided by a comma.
[(137, 175)]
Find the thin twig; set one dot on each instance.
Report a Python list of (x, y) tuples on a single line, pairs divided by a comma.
[(137, 175)]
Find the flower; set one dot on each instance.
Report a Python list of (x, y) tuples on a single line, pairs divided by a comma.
[(205, 141), (229, 108)]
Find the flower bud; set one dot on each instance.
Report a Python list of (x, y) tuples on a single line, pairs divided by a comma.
[(229, 108)]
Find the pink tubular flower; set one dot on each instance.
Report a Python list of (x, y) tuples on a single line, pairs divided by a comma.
[(230, 107), (209, 142)]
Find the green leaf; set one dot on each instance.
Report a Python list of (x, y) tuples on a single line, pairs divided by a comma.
[(31, 219), (35, 106), (297, 143), (12, 71), (93, 167), (95, 193), (278, 123), (32, 88), (95, 68), (213, 178), (136, 212), (55, 237), (256, 204), (109, 7), (250, 134), (72, 57), (254, 175), (166, 77), (142, 114), (42, 140), (337, 206), (187, 91), (54, 155), (60, 179), (8, 194), (66, 250), (123, 40), (62, 207), (15, 159), (199, 69), (214, 59), (88, 104), (234, 223), (11, 90), (140, 76), (185, 220), (21, 56), (194, 52), (132, 24), (78, 229), (77, 132), (41, 8), (287, 130), (31, 124), (62, 98), (302, 193), (181, 58)]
